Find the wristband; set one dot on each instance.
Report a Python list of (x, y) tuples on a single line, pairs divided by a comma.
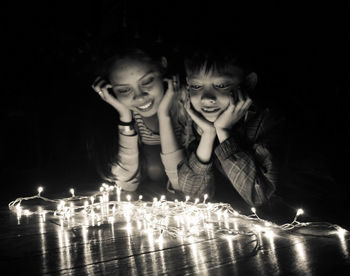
[(131, 123), (126, 130)]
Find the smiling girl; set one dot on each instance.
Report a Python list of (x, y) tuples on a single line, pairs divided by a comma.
[(133, 83)]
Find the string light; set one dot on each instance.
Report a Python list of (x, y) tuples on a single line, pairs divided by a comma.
[(183, 219)]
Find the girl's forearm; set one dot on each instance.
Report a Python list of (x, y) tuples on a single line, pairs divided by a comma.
[(168, 139)]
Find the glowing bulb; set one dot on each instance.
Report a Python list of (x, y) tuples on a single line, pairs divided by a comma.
[(40, 189), (253, 210), (101, 189), (72, 192), (128, 197), (187, 198), (300, 212), (162, 198), (140, 197), (92, 198), (26, 212), (196, 201), (205, 198)]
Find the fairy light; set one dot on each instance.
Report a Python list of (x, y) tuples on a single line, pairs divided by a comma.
[(182, 219), (205, 198), (71, 190), (40, 189)]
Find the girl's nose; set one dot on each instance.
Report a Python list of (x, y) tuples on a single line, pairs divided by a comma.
[(139, 94)]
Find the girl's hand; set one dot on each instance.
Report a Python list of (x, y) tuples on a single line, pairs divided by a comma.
[(233, 113), (169, 95), (101, 88), (203, 124)]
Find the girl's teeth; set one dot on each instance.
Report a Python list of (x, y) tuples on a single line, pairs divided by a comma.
[(146, 105)]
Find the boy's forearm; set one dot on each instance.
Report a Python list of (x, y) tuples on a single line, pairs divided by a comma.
[(205, 147)]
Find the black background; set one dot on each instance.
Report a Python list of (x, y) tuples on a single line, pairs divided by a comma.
[(49, 111)]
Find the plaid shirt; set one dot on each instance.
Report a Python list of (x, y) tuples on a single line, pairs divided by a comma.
[(245, 158)]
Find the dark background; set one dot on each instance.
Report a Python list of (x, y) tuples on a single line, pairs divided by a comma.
[(50, 113)]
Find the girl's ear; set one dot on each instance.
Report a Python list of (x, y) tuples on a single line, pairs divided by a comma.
[(164, 62), (250, 81)]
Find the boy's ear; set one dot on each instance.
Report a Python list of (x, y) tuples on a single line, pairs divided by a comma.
[(250, 81), (164, 62)]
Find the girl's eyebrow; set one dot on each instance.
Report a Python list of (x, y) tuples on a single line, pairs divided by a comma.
[(140, 79), (145, 75)]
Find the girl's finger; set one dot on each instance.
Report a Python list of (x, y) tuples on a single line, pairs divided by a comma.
[(96, 81), (175, 80)]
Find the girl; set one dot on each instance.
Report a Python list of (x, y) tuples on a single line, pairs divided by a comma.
[(230, 139), (133, 83)]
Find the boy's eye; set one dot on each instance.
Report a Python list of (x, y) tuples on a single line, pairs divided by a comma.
[(223, 85), (195, 87), (148, 81)]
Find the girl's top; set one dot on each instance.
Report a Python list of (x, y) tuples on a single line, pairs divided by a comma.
[(128, 167)]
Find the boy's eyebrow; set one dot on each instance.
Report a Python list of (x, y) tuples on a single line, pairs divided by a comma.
[(222, 77), (145, 75)]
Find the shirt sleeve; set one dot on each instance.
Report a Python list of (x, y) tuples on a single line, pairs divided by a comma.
[(170, 162), (126, 170), (196, 178), (251, 168)]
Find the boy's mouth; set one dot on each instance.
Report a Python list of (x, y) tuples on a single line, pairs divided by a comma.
[(210, 109), (146, 106)]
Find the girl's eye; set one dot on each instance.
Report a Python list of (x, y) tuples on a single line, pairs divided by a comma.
[(148, 81), (123, 90)]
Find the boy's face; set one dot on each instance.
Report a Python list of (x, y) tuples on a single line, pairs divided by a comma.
[(210, 92), (138, 85)]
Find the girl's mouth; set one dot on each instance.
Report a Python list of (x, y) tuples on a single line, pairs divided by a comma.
[(145, 107)]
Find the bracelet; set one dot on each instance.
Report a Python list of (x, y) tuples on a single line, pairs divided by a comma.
[(126, 130), (131, 123)]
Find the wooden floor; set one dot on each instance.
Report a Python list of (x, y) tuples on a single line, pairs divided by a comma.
[(37, 246)]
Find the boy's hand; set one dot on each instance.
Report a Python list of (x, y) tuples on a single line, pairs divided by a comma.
[(169, 95), (233, 113), (101, 88)]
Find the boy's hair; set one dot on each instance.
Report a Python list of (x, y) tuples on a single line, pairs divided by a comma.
[(216, 58)]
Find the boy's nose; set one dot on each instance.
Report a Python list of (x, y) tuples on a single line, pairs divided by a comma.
[(208, 97)]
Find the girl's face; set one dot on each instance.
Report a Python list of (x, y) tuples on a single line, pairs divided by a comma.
[(210, 92), (138, 85)]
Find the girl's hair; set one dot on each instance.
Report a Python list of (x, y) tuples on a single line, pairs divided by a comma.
[(135, 54)]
